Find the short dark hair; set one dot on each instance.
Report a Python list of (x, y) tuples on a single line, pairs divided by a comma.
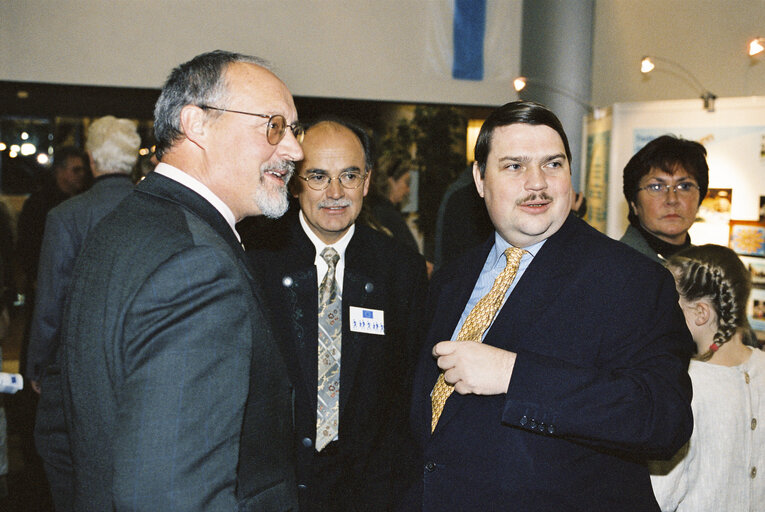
[(516, 112), (666, 153), (356, 129), (62, 154), (200, 81)]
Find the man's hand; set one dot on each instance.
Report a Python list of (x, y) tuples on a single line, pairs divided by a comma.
[(474, 367)]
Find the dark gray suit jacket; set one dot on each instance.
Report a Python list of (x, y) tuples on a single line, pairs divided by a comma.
[(161, 336), (66, 228), (372, 460)]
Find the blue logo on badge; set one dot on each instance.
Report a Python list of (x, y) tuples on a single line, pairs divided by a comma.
[(367, 314)]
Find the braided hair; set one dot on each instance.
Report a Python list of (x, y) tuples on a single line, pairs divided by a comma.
[(716, 273)]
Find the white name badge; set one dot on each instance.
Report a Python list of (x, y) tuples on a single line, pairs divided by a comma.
[(370, 321)]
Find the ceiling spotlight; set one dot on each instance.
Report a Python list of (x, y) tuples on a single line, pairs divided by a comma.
[(520, 83), (756, 46), (648, 64)]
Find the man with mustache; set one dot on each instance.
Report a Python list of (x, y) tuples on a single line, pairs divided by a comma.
[(555, 363), (175, 394), (344, 301)]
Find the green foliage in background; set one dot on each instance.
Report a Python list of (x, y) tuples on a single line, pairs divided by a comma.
[(434, 142)]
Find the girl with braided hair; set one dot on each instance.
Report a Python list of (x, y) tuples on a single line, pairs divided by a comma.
[(722, 467)]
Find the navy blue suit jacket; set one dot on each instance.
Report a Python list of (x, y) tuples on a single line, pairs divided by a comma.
[(599, 384)]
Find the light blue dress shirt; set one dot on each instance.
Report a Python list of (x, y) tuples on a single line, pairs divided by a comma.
[(494, 265)]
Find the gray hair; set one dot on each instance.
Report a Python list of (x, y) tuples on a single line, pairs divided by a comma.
[(113, 143), (200, 81)]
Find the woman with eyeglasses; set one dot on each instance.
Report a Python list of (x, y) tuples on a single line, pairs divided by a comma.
[(664, 184)]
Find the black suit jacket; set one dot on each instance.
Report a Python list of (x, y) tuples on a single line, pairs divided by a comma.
[(599, 384), (372, 459), (175, 393)]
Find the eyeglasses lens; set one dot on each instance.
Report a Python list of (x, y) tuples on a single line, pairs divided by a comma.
[(275, 131)]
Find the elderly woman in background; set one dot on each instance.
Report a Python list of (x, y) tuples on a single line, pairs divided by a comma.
[(664, 184)]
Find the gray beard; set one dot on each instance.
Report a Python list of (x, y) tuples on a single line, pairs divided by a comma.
[(272, 203)]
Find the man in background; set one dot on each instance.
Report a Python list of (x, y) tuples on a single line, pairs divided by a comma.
[(112, 145), (344, 301), (175, 394), (69, 176)]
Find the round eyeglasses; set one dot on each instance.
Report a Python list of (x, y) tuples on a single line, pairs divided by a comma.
[(683, 188), (349, 179), (276, 126)]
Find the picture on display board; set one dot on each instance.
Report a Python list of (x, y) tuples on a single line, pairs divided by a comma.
[(757, 269), (756, 309), (747, 237), (713, 219)]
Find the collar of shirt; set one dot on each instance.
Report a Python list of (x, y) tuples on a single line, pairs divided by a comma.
[(495, 263), (340, 246), (188, 181)]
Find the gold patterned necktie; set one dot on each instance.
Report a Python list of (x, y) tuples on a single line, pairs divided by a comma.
[(330, 329), (477, 321)]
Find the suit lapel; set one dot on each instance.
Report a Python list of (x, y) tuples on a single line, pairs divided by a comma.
[(453, 297), (301, 292), (359, 284), (524, 312)]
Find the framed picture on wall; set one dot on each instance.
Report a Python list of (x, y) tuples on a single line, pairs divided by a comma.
[(747, 237), (756, 309), (757, 269)]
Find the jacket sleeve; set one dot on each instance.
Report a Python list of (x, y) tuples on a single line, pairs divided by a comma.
[(183, 372), (633, 397), (53, 278)]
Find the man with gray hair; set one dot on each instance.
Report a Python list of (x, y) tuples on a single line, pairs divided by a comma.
[(112, 145), (175, 393)]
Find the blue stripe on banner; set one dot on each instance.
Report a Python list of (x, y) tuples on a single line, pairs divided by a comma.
[(469, 29)]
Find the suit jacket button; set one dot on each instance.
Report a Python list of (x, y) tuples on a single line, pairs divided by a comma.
[(430, 466), (542, 427), (550, 429), (302, 487), (533, 424), (369, 287), (524, 420), (287, 281), (307, 442)]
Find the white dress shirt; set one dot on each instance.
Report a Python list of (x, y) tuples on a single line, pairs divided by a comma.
[(340, 246)]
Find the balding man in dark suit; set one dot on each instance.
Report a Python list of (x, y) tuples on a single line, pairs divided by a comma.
[(175, 393), (352, 374)]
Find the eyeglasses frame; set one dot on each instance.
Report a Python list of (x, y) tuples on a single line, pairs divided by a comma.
[(667, 188), (329, 182), (297, 128)]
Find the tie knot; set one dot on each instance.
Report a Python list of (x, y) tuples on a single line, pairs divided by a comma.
[(330, 256), (513, 256)]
